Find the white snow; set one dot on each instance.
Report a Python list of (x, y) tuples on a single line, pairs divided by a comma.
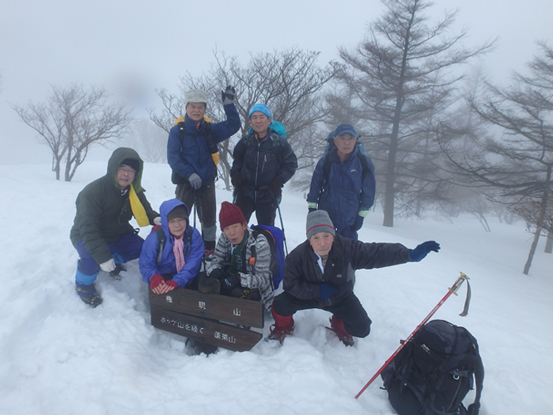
[(59, 356)]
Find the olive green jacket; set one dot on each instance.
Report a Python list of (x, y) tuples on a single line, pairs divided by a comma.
[(103, 213)]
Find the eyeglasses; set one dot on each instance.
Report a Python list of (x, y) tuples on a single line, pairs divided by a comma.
[(131, 172)]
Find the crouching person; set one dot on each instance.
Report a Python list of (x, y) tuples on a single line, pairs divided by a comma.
[(320, 273), (172, 255), (101, 232), (241, 262)]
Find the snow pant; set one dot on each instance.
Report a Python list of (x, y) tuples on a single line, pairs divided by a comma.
[(349, 309), (123, 250), (264, 212), (205, 201)]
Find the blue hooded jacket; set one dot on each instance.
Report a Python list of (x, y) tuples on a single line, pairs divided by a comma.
[(148, 258), (346, 192), (194, 156)]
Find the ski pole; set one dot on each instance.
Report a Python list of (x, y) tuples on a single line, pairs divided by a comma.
[(452, 290), (282, 226)]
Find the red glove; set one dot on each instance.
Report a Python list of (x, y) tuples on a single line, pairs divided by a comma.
[(156, 280), (172, 283)]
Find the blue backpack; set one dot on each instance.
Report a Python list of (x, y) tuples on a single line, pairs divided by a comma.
[(275, 236)]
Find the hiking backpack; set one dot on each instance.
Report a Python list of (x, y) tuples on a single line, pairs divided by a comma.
[(275, 237), (433, 373)]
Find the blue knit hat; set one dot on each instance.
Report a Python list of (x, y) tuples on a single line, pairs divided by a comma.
[(260, 108)]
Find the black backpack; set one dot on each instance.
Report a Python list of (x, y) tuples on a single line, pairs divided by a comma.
[(433, 373)]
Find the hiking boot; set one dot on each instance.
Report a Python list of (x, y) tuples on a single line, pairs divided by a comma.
[(250, 294), (279, 334), (88, 294), (116, 273), (337, 326), (284, 326)]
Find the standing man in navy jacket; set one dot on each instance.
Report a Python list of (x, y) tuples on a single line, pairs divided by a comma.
[(343, 183), (189, 153)]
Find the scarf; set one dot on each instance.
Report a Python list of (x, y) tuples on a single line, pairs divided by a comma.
[(138, 210), (178, 249), (237, 257)]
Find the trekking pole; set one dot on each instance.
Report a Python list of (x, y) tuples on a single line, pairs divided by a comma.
[(282, 226), (452, 290)]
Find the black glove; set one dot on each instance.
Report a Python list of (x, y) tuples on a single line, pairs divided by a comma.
[(236, 181), (276, 187), (358, 223), (228, 95), (422, 250), (309, 210), (229, 283)]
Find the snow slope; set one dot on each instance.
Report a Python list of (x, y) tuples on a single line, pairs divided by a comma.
[(58, 356)]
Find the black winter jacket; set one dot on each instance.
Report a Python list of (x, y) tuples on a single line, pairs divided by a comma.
[(259, 162), (303, 276)]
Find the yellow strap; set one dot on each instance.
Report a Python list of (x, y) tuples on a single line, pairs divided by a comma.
[(137, 209)]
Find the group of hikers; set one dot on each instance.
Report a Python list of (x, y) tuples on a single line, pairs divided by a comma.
[(319, 273)]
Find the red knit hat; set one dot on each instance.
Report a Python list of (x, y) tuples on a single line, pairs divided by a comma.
[(230, 214)]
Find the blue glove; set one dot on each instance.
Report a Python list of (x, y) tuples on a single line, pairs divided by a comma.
[(327, 290), (195, 181), (422, 250), (358, 224)]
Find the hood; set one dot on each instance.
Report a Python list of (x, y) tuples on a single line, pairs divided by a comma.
[(115, 161), (167, 207)]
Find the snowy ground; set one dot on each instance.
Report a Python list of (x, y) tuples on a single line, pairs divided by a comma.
[(58, 356)]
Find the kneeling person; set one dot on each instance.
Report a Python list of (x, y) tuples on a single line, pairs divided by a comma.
[(238, 273), (175, 262), (320, 273)]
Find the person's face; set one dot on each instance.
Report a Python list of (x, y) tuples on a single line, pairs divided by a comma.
[(345, 143), (195, 111), (125, 176), (177, 227), (235, 232), (322, 242), (260, 123)]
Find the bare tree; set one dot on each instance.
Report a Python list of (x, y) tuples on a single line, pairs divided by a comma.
[(520, 162), (72, 120), (289, 82), (149, 140), (399, 81)]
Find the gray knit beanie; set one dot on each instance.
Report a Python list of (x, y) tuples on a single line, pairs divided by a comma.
[(318, 221)]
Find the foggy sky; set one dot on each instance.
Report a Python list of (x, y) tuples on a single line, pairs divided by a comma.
[(135, 47)]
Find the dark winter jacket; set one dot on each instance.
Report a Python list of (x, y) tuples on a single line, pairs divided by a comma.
[(193, 250), (103, 213), (303, 276), (258, 163), (346, 192), (194, 156)]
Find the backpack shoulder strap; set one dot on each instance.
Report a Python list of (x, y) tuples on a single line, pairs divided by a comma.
[(161, 239)]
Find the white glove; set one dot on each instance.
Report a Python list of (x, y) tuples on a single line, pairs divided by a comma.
[(108, 266), (157, 221), (195, 181)]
